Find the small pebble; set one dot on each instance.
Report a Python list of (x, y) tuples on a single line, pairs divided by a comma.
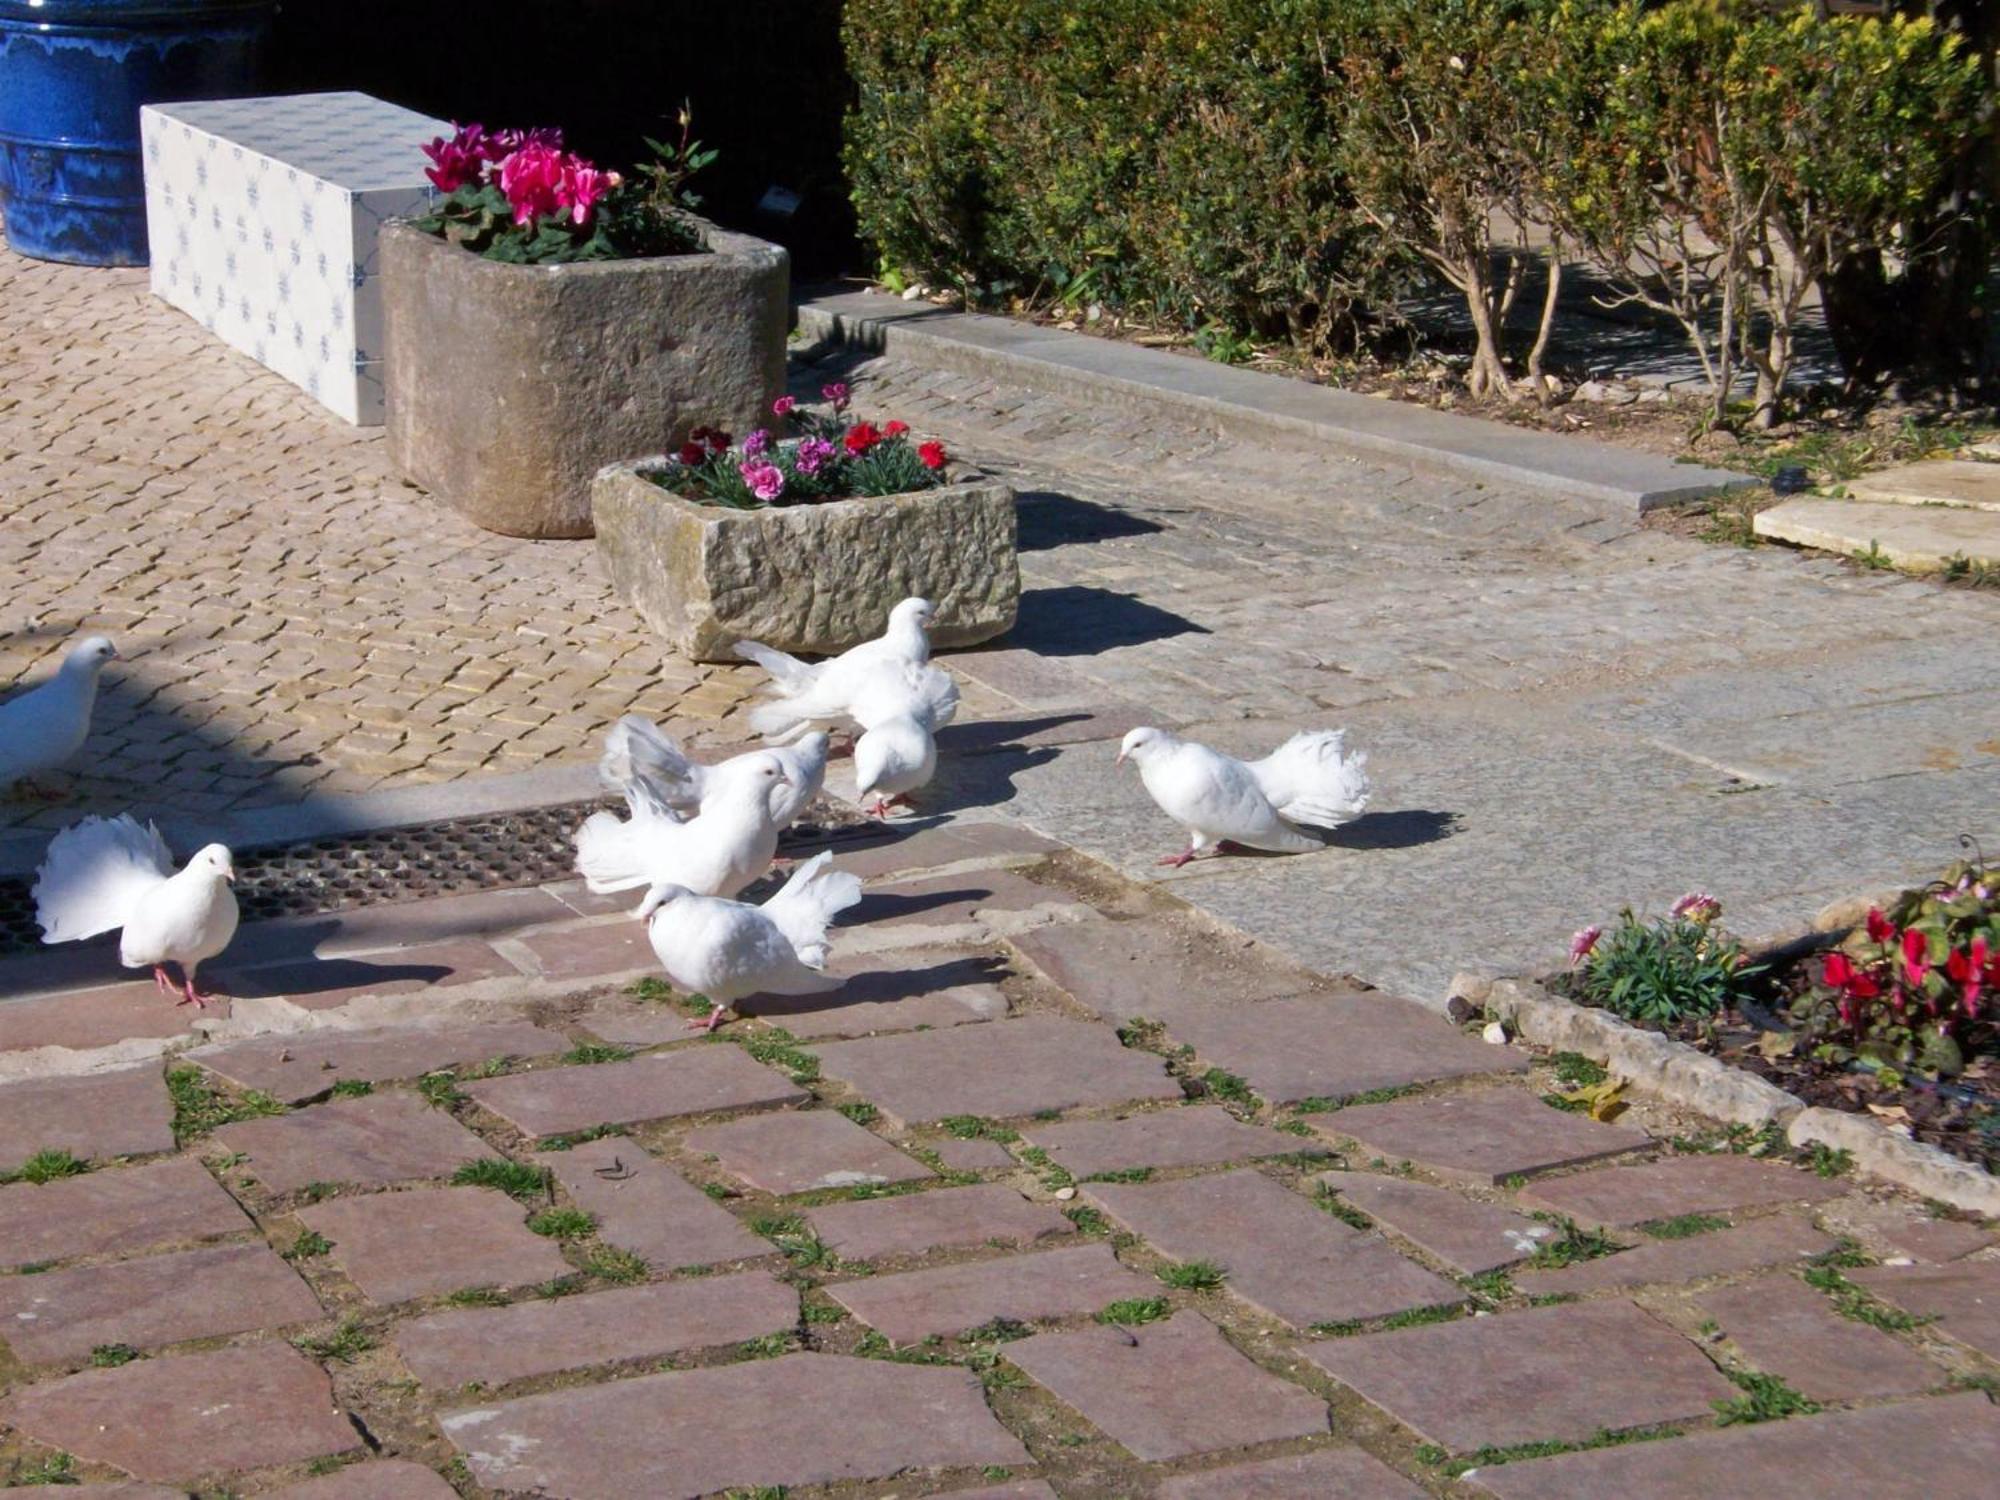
[(1496, 1033), (1899, 1260), (1063, 1195)]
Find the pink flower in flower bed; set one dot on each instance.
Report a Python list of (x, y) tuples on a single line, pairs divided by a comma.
[(1581, 945), (583, 187), (532, 179), (460, 161), (758, 442), (813, 452), (782, 407), (837, 393), (766, 481)]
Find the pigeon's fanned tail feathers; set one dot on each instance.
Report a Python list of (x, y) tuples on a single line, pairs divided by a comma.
[(778, 718), (788, 672), (937, 696), (807, 905), (635, 747), (95, 873), (1311, 779), (608, 854)]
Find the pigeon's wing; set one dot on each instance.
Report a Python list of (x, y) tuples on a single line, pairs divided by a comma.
[(1312, 779), (95, 875), (620, 854), (635, 747), (1216, 794), (40, 730), (805, 769), (808, 903), (184, 920)]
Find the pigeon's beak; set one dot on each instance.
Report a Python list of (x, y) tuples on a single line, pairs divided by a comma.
[(929, 625), (110, 652), (1120, 760), (230, 876)]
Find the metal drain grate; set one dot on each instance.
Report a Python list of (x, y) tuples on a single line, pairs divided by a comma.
[(397, 864)]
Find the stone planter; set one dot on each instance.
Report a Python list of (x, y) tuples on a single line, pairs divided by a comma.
[(807, 578), (510, 386)]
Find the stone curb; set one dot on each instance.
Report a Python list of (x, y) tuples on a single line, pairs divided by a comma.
[(1114, 373), (1677, 1073)]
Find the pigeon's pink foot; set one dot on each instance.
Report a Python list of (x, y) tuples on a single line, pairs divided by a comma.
[(1175, 861), (162, 983), (709, 1022)]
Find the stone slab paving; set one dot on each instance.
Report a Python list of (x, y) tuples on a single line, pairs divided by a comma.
[(949, 1219), (1028, 1489), (1965, 1298), (954, 904), (1336, 1046), (496, 1345), (97, 1018), (1168, 1390), (1899, 1232), (917, 988), (1156, 969), (296, 1066), (1000, 1071), (1481, 1137), (1940, 1449), (370, 1141), (976, 1155), (696, 1080), (385, 1479), (327, 983), (1345, 1473), (150, 1302), (959, 842), (796, 1151), (1792, 1331), (1198, 1135), (396, 1246), (803, 1419), (192, 1417), (911, 1306), (1469, 1236), (1780, 1239), (114, 1212), (1549, 1372), (1277, 1251), (1615, 1197), (122, 1113), (645, 1206)]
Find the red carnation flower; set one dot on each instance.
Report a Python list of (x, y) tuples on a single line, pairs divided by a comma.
[(895, 429), (931, 455), (1880, 928), (860, 438), (693, 455), (1838, 972)]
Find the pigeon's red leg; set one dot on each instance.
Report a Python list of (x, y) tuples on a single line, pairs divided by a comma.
[(191, 995), (1175, 861), (709, 1022), (161, 982)]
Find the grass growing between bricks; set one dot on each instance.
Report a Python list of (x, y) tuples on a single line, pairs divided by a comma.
[(515, 1179), (563, 1223), (347, 1343), (1133, 1311), (200, 1107), (1414, 1317), (1193, 1275), (1683, 1226), (1851, 1301), (775, 1047), (50, 1164), (1765, 1398), (1571, 1245), (1487, 1458)]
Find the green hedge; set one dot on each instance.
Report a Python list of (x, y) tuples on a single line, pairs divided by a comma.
[(1176, 157)]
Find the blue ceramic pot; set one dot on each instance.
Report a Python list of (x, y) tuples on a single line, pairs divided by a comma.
[(73, 74)]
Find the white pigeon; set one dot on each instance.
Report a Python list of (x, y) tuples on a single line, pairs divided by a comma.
[(109, 872), (1310, 779), (824, 692), (636, 747), (729, 950), (43, 728), (896, 752), (717, 852)]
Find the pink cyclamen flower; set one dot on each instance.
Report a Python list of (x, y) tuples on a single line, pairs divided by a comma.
[(838, 394), (583, 187), (504, 143), (1698, 906), (782, 407), (532, 179), (458, 162), (1581, 945), (813, 452), (766, 481), (758, 442), (1916, 957)]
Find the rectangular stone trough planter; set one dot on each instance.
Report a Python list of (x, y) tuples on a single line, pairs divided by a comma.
[(510, 386), (813, 579)]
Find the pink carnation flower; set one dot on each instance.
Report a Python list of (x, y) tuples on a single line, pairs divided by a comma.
[(1581, 945), (837, 393), (766, 481), (1698, 906), (782, 407), (758, 442), (813, 452)]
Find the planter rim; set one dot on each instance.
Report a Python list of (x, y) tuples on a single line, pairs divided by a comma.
[(643, 469), (119, 14), (746, 248)]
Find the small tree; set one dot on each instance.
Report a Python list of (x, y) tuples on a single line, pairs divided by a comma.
[(1446, 118)]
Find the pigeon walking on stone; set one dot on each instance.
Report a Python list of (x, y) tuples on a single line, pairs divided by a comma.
[(43, 728), (717, 852), (1309, 780), (730, 950), (109, 872), (896, 752), (810, 693), (637, 747)]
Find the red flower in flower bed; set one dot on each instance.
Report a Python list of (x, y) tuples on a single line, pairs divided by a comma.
[(860, 438), (931, 455)]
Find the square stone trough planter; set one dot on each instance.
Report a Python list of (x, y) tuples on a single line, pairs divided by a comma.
[(812, 579), (510, 386)]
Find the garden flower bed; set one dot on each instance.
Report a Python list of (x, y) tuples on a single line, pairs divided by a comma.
[(804, 539), (1897, 1020)]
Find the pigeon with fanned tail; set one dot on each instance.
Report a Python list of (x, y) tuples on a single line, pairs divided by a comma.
[(106, 873), (637, 747), (43, 729), (731, 950), (896, 752), (717, 852), (1310, 781), (810, 693)]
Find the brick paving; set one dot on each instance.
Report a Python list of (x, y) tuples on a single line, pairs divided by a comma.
[(701, 1315), (1144, 1282)]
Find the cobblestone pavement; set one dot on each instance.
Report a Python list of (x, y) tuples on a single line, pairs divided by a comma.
[(1070, 1194)]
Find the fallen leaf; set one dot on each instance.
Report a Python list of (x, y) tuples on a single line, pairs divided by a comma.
[(1777, 1043), (1603, 1100)]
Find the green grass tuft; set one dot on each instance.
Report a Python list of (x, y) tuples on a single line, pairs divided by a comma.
[(1684, 1226), (1851, 1301), (50, 1164), (583, 1054), (346, 1343), (577, 1138), (478, 1296), (352, 1088), (563, 1223), (621, 1267), (309, 1244), (515, 1179), (110, 1356), (778, 1048), (1122, 1174), (199, 1106), (1575, 1071), (1765, 1398), (1224, 1085), (1193, 1275), (861, 1112), (1132, 1311), (1571, 1244)]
